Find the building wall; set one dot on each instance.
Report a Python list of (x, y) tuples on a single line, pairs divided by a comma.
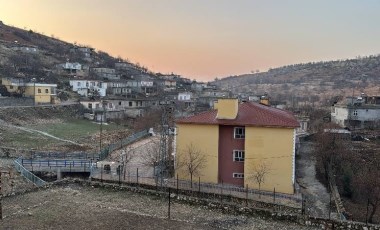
[(204, 138), (227, 165), (275, 148), (41, 94)]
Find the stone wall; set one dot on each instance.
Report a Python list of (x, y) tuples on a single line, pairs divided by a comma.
[(16, 101)]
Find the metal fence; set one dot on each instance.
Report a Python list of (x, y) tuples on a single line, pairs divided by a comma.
[(136, 177), (117, 145), (48, 165), (27, 174)]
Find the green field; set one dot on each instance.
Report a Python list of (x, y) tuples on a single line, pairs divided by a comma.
[(77, 130)]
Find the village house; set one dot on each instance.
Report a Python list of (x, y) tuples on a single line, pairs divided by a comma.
[(237, 139), (119, 88), (106, 73), (130, 107), (124, 66), (357, 112), (41, 92), (25, 49), (70, 67), (89, 87)]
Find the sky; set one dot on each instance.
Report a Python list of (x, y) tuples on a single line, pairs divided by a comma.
[(205, 39)]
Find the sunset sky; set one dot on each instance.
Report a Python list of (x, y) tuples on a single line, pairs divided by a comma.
[(204, 39)]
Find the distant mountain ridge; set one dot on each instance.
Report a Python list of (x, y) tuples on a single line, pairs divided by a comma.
[(314, 82)]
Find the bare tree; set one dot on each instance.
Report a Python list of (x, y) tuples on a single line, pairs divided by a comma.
[(151, 154), (259, 173), (367, 186), (192, 160)]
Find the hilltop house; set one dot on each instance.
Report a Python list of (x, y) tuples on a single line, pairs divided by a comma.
[(357, 112), (107, 73), (236, 139)]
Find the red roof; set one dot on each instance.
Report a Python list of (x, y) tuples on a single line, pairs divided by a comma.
[(249, 114)]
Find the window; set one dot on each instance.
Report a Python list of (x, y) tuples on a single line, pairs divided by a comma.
[(130, 103), (239, 132), (238, 175), (11, 86), (39, 91), (90, 105), (355, 112), (119, 102), (238, 155), (78, 83), (46, 90)]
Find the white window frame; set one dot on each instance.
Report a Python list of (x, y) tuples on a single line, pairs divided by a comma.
[(238, 175), (238, 155), (355, 113), (240, 135)]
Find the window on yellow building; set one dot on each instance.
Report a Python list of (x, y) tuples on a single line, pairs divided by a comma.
[(238, 175), (46, 90), (238, 155), (239, 132), (39, 90)]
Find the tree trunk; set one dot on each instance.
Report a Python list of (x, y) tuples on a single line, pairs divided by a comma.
[(191, 180), (370, 219)]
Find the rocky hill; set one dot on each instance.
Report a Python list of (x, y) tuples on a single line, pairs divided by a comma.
[(311, 83)]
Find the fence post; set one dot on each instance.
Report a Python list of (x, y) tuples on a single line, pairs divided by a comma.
[(221, 193), (274, 195), (199, 186), (119, 177), (137, 176), (177, 184), (246, 195), (169, 205), (101, 173)]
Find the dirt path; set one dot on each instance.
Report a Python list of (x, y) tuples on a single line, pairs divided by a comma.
[(316, 194)]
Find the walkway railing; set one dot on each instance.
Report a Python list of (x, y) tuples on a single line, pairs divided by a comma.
[(117, 145), (27, 174)]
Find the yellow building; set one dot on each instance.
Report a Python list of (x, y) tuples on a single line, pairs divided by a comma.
[(41, 92), (238, 142)]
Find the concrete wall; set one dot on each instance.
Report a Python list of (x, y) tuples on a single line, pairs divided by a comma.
[(273, 147), (204, 138)]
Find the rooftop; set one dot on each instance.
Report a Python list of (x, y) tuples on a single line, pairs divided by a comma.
[(249, 114)]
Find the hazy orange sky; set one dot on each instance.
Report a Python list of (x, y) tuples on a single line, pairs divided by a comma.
[(204, 39)]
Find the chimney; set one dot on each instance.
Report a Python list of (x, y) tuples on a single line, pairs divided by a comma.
[(264, 100), (227, 108)]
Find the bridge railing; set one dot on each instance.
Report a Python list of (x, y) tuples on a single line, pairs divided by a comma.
[(28, 175)]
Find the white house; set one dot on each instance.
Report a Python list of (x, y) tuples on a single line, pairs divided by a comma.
[(89, 87), (185, 96), (357, 112)]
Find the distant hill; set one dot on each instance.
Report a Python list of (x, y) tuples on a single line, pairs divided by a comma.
[(311, 83)]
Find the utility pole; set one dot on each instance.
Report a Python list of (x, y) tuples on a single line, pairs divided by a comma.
[(1, 194), (166, 116)]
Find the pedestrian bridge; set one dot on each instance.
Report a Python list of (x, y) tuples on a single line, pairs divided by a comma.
[(55, 165)]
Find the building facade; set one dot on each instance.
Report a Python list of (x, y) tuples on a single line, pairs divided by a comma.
[(238, 138)]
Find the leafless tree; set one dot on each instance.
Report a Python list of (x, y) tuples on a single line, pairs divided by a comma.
[(192, 160), (151, 153), (367, 186), (259, 173)]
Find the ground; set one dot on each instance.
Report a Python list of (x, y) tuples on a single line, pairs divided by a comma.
[(316, 194), (74, 206)]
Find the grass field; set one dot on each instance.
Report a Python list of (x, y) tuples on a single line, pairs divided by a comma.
[(77, 130)]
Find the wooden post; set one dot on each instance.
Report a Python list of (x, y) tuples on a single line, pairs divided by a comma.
[(274, 195)]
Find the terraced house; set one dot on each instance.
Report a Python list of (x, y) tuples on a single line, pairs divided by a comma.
[(236, 139)]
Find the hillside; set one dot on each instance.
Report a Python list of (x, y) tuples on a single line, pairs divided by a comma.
[(318, 82), (28, 54)]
